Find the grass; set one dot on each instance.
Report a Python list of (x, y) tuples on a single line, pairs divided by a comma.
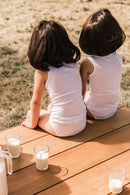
[(17, 21)]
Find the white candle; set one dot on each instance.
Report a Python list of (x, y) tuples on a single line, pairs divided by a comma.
[(13, 145), (115, 185), (41, 160)]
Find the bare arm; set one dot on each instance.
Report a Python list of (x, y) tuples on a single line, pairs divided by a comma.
[(86, 68), (40, 78)]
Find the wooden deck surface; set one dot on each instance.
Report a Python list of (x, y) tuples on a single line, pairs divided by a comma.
[(78, 165)]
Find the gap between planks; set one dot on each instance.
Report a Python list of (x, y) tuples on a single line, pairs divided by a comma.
[(57, 146), (103, 152), (96, 178)]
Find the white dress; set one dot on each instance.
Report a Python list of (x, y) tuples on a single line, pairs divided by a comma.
[(68, 111), (104, 82)]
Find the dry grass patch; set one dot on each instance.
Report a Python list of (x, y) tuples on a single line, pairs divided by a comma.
[(17, 18)]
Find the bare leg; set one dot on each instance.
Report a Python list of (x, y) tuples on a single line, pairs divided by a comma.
[(44, 123)]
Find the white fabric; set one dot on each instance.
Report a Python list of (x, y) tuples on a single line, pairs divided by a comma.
[(68, 111), (104, 81)]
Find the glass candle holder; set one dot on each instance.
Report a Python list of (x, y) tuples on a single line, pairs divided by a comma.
[(13, 145), (41, 157), (116, 179)]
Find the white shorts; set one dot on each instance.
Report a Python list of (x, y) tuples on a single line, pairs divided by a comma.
[(69, 129), (100, 112)]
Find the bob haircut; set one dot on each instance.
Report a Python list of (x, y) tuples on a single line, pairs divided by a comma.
[(101, 34), (51, 46)]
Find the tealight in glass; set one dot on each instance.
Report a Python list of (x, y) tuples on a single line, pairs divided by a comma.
[(13, 145), (41, 157)]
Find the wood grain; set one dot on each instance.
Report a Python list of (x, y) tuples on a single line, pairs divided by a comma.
[(57, 145), (25, 133), (121, 118), (93, 181), (70, 162)]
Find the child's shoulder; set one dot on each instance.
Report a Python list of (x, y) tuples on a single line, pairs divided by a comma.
[(86, 65), (112, 56), (115, 57)]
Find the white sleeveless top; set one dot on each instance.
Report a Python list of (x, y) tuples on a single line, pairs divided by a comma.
[(104, 85), (68, 111)]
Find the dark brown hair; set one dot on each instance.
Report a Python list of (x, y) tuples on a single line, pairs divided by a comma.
[(101, 34), (51, 46)]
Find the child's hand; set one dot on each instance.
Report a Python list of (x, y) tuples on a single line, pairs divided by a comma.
[(28, 121)]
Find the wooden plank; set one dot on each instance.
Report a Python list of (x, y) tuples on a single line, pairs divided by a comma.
[(121, 118), (92, 130), (57, 145), (70, 162), (25, 133), (93, 181)]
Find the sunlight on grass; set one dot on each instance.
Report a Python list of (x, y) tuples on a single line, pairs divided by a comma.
[(18, 19)]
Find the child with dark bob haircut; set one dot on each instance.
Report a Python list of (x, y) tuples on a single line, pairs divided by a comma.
[(54, 56), (100, 37)]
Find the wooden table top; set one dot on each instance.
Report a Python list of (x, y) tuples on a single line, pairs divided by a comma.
[(78, 165)]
